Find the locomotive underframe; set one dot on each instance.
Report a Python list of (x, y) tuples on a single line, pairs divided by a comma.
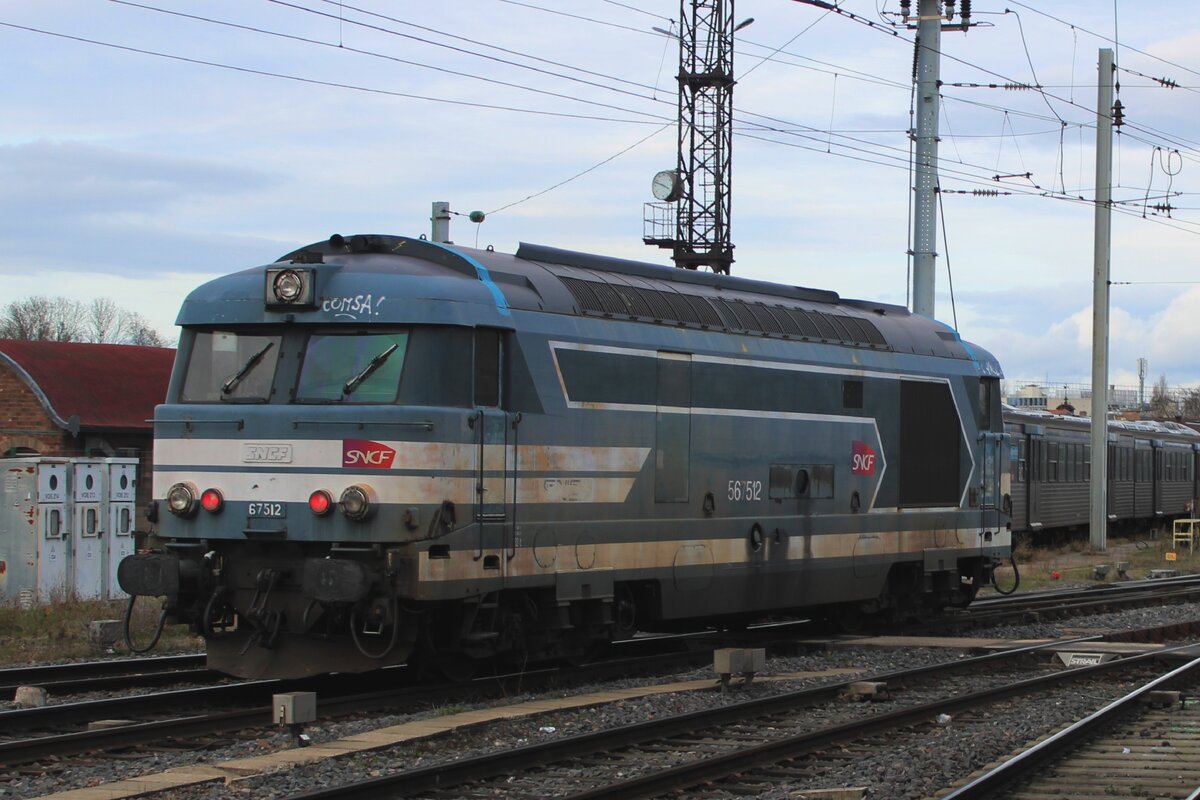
[(294, 609)]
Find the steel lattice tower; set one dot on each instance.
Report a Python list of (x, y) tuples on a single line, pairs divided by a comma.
[(705, 135)]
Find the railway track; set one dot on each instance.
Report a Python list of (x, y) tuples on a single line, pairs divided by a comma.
[(191, 713), (706, 748), (186, 728), (1145, 744), (1064, 603), (108, 675)]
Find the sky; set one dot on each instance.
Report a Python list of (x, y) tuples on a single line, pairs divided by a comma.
[(146, 148)]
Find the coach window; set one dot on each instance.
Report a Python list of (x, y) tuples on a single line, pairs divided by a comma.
[(488, 359), (1087, 462)]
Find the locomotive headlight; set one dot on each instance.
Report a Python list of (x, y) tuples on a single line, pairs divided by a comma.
[(181, 499), (212, 500), (290, 286), (357, 502)]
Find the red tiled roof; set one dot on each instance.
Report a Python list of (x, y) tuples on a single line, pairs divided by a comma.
[(114, 386)]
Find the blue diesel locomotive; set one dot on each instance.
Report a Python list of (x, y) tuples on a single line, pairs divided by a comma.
[(381, 449)]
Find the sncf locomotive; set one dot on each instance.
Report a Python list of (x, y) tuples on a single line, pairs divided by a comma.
[(381, 450)]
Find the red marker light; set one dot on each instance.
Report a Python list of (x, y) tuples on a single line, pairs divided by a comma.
[(212, 501), (319, 502)]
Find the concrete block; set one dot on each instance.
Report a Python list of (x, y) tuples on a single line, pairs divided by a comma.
[(1161, 698), (735, 660), (867, 690), (1164, 573), (31, 696), (1100, 571), (294, 708), (104, 633)]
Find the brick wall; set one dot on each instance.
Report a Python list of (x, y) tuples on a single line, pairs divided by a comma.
[(24, 422)]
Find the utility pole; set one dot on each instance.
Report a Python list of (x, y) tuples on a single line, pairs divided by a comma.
[(1100, 283), (927, 77), (928, 80)]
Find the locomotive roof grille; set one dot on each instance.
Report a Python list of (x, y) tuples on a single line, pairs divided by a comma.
[(670, 307)]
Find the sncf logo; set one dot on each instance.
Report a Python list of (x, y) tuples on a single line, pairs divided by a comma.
[(863, 459), (363, 453)]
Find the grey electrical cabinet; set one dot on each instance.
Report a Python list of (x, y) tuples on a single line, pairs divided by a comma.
[(65, 524)]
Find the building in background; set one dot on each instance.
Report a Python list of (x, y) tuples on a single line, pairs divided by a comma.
[(72, 399)]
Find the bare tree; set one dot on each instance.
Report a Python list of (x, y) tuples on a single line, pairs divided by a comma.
[(1162, 405), (1191, 405), (60, 319), (41, 319)]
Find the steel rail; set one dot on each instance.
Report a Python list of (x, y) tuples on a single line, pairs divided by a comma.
[(110, 683), (1065, 740), (24, 751), (37, 676), (490, 766), (724, 765)]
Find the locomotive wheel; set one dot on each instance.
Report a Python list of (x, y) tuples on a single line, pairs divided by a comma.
[(626, 614)]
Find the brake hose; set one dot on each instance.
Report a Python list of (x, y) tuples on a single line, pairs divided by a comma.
[(162, 621), (1016, 577)]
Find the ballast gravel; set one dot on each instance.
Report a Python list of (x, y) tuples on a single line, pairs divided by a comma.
[(917, 768)]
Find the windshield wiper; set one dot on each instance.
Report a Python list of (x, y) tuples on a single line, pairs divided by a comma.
[(231, 382), (368, 370)]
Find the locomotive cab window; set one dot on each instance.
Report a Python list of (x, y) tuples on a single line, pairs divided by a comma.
[(230, 366), (354, 367)]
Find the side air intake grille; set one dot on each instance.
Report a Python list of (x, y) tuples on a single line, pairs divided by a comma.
[(675, 308)]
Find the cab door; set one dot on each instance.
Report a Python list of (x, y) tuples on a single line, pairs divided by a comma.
[(493, 454)]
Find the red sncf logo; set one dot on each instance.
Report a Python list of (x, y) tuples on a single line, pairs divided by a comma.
[(863, 459), (364, 453)]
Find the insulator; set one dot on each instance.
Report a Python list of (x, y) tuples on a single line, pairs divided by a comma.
[(1118, 114), (1017, 87), (916, 54), (1167, 82), (906, 7), (964, 12), (949, 9)]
